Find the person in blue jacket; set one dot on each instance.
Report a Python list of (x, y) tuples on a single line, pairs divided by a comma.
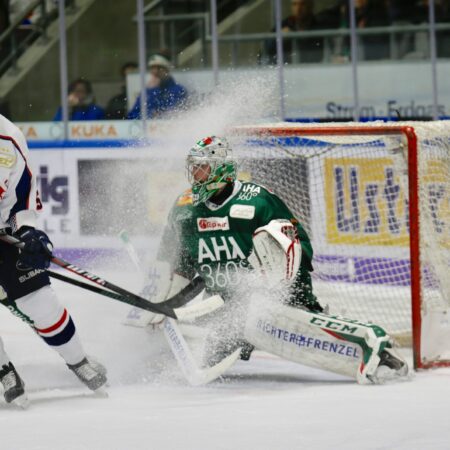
[(163, 93), (81, 102)]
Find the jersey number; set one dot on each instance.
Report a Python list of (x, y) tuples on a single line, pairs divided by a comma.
[(224, 274)]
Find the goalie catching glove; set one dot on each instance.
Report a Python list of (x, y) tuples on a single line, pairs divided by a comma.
[(277, 252)]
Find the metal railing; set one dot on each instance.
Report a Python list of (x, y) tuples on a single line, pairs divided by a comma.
[(207, 42), (199, 23), (15, 44), (175, 40), (328, 36), (150, 7)]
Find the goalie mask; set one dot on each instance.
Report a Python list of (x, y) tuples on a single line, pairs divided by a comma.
[(210, 166)]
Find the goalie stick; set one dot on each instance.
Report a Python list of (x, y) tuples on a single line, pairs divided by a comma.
[(195, 375), (169, 308)]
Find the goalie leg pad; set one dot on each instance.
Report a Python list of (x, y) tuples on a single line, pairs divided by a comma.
[(343, 346)]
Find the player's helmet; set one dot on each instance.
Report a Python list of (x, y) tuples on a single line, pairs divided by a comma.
[(210, 166)]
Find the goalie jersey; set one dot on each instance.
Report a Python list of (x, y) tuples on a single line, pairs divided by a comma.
[(215, 240)]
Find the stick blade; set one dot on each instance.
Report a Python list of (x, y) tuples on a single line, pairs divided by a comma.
[(205, 376), (200, 309)]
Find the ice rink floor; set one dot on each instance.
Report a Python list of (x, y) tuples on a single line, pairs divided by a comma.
[(265, 403)]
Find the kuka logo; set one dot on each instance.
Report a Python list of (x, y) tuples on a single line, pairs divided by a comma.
[(213, 224)]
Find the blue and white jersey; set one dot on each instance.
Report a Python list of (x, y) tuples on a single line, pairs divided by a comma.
[(19, 199)]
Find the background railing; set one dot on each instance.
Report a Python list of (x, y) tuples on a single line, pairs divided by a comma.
[(333, 46), (176, 27), (18, 36), (104, 37)]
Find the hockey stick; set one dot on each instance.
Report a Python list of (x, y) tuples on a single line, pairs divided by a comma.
[(195, 375), (138, 301), (100, 281), (184, 296), (186, 313), (186, 361)]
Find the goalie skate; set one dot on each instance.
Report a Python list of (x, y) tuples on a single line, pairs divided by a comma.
[(391, 367), (90, 374), (13, 385)]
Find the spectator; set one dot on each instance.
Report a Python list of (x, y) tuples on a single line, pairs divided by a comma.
[(118, 105), (308, 50), (369, 13), (401, 13), (17, 7), (419, 47), (81, 102), (415, 45), (163, 93)]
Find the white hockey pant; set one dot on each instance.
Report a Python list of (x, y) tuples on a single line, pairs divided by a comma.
[(52, 322)]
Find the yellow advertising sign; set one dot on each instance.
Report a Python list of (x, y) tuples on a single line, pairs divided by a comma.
[(435, 189), (365, 203)]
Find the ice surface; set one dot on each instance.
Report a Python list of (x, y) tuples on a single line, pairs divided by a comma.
[(265, 403)]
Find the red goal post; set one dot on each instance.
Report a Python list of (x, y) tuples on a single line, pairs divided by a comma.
[(414, 138)]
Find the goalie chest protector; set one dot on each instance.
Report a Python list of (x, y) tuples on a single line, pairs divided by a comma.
[(216, 240)]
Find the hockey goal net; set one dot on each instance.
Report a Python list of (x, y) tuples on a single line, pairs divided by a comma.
[(375, 200)]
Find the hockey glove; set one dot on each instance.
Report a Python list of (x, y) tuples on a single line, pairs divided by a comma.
[(37, 250), (277, 252)]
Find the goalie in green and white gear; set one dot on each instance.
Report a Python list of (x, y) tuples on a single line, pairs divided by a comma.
[(243, 241)]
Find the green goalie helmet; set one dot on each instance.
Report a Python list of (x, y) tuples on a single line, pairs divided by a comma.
[(210, 166)]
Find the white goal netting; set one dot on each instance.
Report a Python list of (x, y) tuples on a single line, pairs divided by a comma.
[(349, 187)]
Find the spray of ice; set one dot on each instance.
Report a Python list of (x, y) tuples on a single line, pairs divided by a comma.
[(144, 189)]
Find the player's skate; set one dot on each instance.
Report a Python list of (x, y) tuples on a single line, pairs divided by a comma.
[(13, 385), (93, 375)]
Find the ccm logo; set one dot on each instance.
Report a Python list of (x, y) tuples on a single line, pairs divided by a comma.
[(213, 223)]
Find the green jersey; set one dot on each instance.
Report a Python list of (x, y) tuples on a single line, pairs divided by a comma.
[(216, 240)]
